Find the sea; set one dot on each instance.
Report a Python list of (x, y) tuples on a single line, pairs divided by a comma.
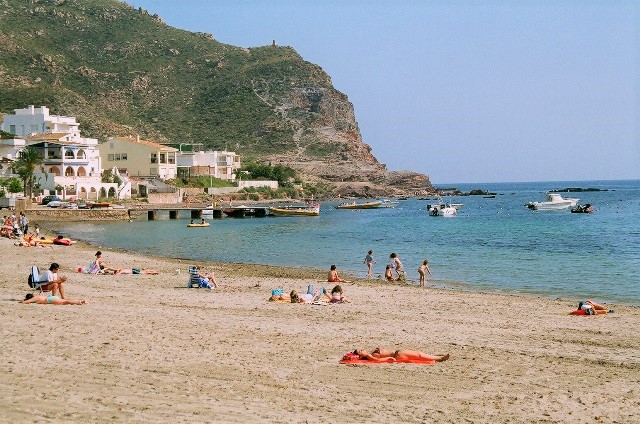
[(492, 245)]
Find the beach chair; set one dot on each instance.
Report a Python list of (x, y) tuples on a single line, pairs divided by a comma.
[(194, 278), (34, 281)]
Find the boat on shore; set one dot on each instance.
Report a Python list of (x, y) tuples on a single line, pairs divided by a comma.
[(310, 210), (365, 205), (554, 202)]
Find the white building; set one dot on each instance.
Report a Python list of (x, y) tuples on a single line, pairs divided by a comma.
[(71, 165), (218, 164), (32, 120)]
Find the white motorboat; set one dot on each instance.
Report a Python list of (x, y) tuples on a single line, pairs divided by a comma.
[(388, 203), (442, 209), (554, 202)]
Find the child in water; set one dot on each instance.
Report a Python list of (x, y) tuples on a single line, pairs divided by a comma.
[(421, 269)]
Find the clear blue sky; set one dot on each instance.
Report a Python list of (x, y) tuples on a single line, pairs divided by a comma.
[(465, 91)]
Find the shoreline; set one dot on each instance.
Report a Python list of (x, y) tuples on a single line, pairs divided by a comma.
[(144, 348)]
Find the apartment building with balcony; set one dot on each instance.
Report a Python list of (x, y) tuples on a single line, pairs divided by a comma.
[(140, 158), (218, 164)]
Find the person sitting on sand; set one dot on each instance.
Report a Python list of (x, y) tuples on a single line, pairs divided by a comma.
[(337, 295), (382, 355), (51, 281), (50, 300), (388, 275), (592, 308), (136, 271), (101, 265), (333, 276)]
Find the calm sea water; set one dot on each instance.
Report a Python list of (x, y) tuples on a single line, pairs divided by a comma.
[(492, 245)]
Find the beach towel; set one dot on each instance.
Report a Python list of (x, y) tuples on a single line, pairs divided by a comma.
[(352, 359)]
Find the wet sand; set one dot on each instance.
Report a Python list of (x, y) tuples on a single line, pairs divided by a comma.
[(144, 348)]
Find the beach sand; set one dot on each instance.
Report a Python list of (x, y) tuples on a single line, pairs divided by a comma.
[(146, 349)]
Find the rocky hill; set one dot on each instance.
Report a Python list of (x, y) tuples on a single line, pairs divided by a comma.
[(122, 71)]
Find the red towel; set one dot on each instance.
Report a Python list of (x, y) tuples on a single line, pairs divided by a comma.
[(352, 359)]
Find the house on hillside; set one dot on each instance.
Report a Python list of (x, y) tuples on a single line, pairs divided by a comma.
[(218, 164), (33, 119), (140, 158), (71, 165)]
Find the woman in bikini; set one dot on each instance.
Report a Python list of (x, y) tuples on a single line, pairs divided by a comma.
[(51, 300), (399, 355)]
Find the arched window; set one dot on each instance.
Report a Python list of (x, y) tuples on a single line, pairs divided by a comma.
[(112, 192), (82, 172), (83, 193), (68, 154), (81, 154), (103, 192), (55, 171), (69, 172)]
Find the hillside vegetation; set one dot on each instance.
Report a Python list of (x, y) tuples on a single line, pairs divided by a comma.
[(122, 71)]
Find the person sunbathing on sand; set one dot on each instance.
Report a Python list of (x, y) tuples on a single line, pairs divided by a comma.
[(594, 307), (136, 271), (336, 296), (50, 300), (304, 297), (382, 355)]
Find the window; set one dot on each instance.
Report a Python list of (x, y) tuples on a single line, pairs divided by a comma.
[(117, 156), (111, 146), (154, 158), (172, 158), (163, 158), (110, 157), (12, 129), (153, 171), (123, 156)]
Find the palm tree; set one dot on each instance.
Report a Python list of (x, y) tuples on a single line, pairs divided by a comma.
[(25, 166)]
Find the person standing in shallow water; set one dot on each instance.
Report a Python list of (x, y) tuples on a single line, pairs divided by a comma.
[(396, 263), (421, 270), (369, 261)]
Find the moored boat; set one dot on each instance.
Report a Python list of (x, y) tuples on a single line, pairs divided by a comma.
[(586, 208), (554, 202), (365, 205), (313, 210), (387, 203), (442, 209)]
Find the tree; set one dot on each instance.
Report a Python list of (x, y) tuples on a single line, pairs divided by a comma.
[(25, 166), (14, 185)]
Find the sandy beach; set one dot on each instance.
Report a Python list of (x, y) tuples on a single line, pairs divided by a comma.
[(146, 349)]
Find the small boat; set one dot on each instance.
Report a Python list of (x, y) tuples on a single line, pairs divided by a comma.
[(442, 209), (365, 205), (554, 202), (198, 224), (98, 205), (313, 210), (456, 205), (586, 208), (387, 203)]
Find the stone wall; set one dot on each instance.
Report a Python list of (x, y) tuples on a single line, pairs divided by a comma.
[(35, 215)]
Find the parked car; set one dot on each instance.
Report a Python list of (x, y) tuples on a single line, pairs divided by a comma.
[(50, 198), (56, 204)]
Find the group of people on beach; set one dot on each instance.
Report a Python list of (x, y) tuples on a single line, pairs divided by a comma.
[(397, 266), (15, 227)]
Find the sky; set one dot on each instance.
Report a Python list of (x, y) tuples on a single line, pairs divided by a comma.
[(463, 91)]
